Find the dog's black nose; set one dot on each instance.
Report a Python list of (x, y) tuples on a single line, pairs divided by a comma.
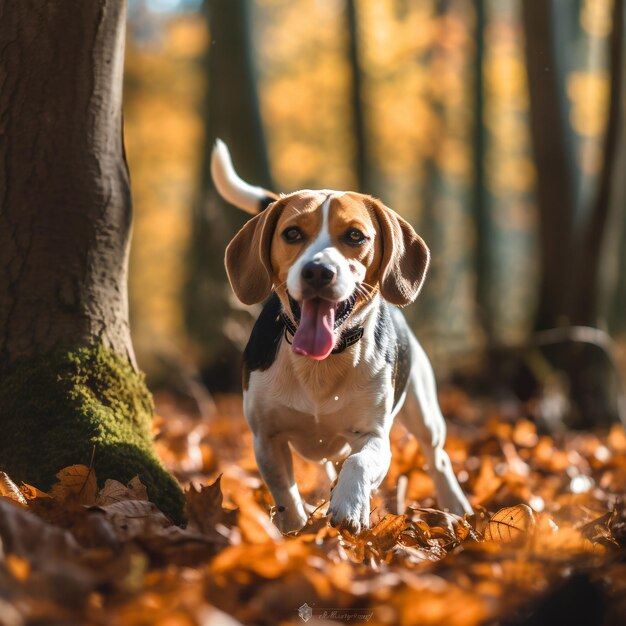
[(318, 275)]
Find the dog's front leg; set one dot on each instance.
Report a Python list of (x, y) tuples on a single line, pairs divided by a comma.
[(362, 472), (275, 463)]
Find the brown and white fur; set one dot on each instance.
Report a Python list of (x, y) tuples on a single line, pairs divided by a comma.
[(340, 406)]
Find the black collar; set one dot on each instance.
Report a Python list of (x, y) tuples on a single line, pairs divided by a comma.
[(348, 337)]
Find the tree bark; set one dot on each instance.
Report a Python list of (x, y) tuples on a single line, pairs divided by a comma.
[(65, 209), (69, 389)]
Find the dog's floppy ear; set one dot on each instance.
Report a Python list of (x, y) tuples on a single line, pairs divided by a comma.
[(247, 260), (405, 257)]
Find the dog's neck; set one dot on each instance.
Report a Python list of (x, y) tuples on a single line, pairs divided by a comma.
[(321, 377)]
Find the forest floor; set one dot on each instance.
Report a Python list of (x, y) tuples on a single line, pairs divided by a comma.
[(547, 545)]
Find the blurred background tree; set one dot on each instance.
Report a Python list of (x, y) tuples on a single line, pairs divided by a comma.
[(495, 126), (573, 218), (231, 112)]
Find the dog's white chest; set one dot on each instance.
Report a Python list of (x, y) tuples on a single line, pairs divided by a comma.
[(320, 411)]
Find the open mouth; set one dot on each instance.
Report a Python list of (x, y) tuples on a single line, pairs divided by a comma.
[(317, 320)]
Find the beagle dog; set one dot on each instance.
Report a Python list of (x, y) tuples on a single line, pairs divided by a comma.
[(331, 360)]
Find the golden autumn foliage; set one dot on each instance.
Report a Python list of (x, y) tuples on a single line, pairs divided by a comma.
[(164, 91), (547, 510), (418, 65)]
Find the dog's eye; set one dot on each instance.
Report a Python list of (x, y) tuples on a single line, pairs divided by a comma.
[(354, 237), (293, 234)]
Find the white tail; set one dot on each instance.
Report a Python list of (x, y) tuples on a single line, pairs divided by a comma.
[(232, 188)]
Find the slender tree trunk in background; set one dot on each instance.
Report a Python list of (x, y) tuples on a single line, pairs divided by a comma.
[(616, 287), (361, 156), (69, 388), (555, 182), (231, 114), (614, 284), (585, 308), (481, 210), (431, 225), (613, 298), (567, 34)]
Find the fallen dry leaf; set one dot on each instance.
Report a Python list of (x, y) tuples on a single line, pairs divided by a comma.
[(117, 559), (114, 491), (599, 530), (439, 525), (27, 536), (513, 523), (10, 490), (203, 507), (487, 483), (384, 535), (77, 483), (132, 517), (30, 492)]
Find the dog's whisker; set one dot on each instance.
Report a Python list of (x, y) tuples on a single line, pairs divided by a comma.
[(362, 292), (365, 290), (361, 289)]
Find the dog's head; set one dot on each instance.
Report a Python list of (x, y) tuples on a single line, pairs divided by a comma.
[(326, 249)]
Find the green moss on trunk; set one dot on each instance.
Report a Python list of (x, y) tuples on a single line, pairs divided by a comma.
[(60, 409)]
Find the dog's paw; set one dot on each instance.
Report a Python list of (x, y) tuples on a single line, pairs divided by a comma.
[(457, 504), (288, 520), (451, 498), (349, 509)]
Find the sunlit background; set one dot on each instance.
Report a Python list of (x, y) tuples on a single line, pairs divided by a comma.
[(423, 103)]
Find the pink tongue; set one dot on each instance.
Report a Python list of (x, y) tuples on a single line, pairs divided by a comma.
[(314, 337)]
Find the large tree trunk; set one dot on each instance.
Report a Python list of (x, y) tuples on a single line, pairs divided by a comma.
[(69, 388), (214, 319), (66, 198)]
